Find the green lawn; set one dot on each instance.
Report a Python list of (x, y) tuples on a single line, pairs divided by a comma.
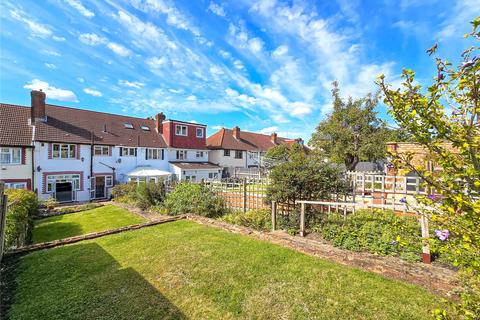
[(182, 270), (74, 224)]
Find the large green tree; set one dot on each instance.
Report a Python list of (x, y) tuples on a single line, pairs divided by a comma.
[(445, 120), (352, 132)]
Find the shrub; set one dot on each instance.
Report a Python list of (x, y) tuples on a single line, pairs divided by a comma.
[(143, 195), (125, 193), (196, 199), (259, 219), (379, 232), (149, 194), (22, 207), (50, 203)]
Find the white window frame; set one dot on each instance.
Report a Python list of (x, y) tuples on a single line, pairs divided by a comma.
[(226, 152), (197, 130), (102, 150), (73, 178), (199, 154), (12, 154), (236, 153), (154, 154), (181, 155), (181, 130), (16, 185), (109, 181), (129, 151), (64, 146)]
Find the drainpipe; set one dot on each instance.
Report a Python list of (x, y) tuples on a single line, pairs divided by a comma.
[(33, 168), (91, 165)]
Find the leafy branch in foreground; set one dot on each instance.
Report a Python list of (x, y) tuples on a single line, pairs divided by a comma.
[(445, 121)]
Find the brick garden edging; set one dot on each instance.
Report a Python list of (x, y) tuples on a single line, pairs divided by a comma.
[(432, 277), (94, 235)]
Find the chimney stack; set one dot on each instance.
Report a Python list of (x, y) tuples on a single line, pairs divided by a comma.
[(236, 132), (159, 118), (273, 137), (37, 106)]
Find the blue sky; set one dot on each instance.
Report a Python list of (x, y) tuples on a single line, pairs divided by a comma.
[(262, 65)]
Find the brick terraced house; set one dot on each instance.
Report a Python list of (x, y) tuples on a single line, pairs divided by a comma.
[(16, 156), (78, 155), (232, 148)]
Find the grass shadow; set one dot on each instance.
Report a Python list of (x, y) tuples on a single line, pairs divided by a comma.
[(80, 282)]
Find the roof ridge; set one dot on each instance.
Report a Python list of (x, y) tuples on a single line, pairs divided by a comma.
[(94, 111)]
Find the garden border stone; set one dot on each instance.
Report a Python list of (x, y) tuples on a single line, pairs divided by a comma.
[(93, 235)]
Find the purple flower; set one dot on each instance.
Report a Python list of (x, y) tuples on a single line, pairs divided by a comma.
[(432, 197), (456, 112), (403, 200), (393, 243), (442, 234), (441, 76)]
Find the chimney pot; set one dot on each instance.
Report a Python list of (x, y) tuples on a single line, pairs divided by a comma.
[(273, 137), (37, 110), (159, 118), (236, 132)]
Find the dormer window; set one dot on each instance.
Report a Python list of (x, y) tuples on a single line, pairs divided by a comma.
[(128, 125), (145, 128), (199, 132), (181, 130)]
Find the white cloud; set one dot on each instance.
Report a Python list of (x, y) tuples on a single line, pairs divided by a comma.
[(52, 53), (145, 34), (80, 79), (455, 23), (255, 45), (174, 16), (156, 62), (224, 54), (216, 70), (238, 64), (50, 66), (37, 29), (217, 127), (119, 49), (92, 39), (80, 8), (193, 121), (269, 130), (191, 98), (58, 39), (52, 92), (131, 84), (92, 92), (218, 9), (300, 109), (176, 90), (280, 51), (239, 37)]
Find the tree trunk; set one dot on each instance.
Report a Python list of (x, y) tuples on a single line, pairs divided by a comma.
[(351, 162)]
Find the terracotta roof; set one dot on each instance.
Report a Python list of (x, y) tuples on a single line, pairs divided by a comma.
[(14, 127), (249, 141), (194, 165), (76, 125)]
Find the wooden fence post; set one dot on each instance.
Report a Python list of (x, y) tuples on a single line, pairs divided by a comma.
[(3, 217), (302, 220), (244, 195), (274, 215), (426, 257)]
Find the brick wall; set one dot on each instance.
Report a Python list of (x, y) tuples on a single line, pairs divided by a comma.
[(420, 156)]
